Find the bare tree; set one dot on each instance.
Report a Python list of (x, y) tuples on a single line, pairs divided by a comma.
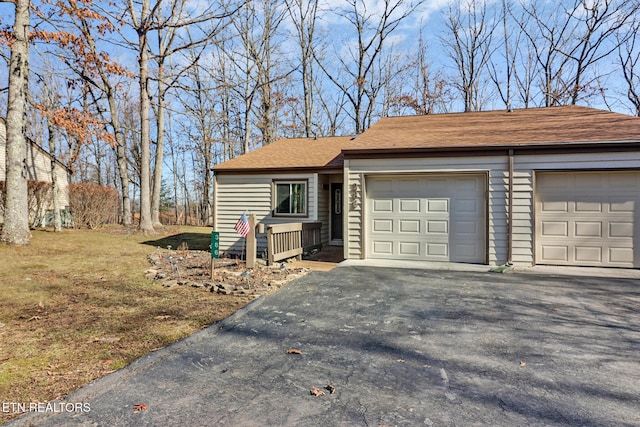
[(167, 24), (469, 43), (160, 19), (15, 230), (304, 14), (507, 61), (569, 39), (422, 90), (598, 23), (361, 65), (199, 101), (629, 60)]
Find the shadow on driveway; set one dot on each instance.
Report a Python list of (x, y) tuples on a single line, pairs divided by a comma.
[(401, 347)]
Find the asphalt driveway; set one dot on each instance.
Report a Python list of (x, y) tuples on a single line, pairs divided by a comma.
[(399, 347)]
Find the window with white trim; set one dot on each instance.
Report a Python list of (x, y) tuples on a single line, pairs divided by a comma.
[(290, 198)]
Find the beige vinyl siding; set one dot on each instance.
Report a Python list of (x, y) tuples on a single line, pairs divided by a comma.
[(353, 220), (252, 193), (496, 166)]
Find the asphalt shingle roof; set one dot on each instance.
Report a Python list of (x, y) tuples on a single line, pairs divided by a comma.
[(551, 126), (522, 127), (292, 153)]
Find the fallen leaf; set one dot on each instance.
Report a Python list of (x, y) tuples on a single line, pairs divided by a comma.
[(107, 362), (523, 364), (315, 391), (555, 309), (139, 407), (33, 318), (294, 351), (165, 317), (331, 388)]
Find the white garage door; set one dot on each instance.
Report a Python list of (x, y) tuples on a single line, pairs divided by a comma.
[(430, 218), (587, 218)]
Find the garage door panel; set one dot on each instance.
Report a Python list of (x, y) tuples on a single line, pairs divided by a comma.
[(555, 228), (437, 205), (555, 206), (382, 205), (469, 185), (408, 186), (622, 204), (554, 254), (588, 229), (621, 229), (466, 229), (589, 181), (469, 206), (598, 226), (409, 205), (430, 217), (440, 250), (382, 247), (383, 225), (621, 255), (589, 206), (410, 226), (409, 248), (590, 254), (466, 250), (437, 227)]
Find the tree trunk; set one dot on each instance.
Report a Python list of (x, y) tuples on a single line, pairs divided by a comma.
[(121, 158), (146, 224), (157, 172), (15, 230)]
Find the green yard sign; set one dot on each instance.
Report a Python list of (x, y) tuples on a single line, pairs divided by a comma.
[(215, 244)]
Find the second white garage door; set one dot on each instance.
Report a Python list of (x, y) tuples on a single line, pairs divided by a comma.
[(588, 218), (430, 218)]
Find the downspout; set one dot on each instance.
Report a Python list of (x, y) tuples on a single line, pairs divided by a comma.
[(510, 212)]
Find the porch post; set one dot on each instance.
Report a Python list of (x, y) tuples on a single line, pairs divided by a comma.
[(251, 241)]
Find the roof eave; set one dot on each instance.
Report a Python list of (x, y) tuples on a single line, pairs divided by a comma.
[(625, 145), (266, 170)]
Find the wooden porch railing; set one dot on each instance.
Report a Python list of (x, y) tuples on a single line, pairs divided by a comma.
[(292, 240)]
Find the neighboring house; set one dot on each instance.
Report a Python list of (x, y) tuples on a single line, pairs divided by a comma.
[(38, 168), (439, 188)]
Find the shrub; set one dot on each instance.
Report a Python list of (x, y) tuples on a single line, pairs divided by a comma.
[(93, 205)]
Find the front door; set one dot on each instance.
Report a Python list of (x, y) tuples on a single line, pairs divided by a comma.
[(336, 211)]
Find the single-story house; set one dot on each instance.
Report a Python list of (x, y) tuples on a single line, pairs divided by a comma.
[(38, 168), (558, 186)]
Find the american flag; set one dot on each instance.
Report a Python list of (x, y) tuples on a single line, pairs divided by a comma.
[(242, 226)]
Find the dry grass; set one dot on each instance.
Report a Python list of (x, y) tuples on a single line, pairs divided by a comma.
[(76, 306)]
